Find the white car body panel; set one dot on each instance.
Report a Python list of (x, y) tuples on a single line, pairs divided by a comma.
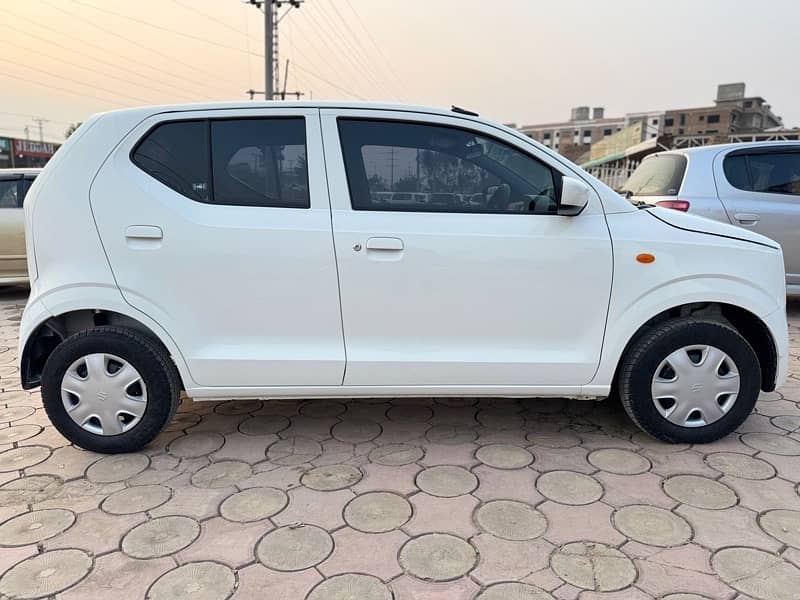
[(569, 292)]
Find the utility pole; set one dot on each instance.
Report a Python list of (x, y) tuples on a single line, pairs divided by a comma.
[(39, 121), (271, 20)]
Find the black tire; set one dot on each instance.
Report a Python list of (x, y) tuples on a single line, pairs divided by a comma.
[(646, 354), (146, 356)]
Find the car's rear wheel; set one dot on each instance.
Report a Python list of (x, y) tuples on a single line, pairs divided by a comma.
[(110, 389), (690, 380)]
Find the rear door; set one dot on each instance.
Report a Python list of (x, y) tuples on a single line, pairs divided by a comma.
[(454, 267), (12, 227), (760, 188), (217, 225)]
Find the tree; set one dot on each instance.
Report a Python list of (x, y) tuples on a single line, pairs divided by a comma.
[(72, 128)]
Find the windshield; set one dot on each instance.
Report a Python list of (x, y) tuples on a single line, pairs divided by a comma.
[(659, 175)]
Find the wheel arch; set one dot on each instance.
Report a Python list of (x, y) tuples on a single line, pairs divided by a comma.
[(52, 330), (749, 326)]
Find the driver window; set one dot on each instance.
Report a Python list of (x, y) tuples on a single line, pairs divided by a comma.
[(414, 167)]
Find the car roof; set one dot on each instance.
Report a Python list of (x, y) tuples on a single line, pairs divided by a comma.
[(716, 148), (21, 171)]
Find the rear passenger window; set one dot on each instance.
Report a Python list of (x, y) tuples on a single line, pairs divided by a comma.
[(765, 172), (260, 162), (176, 154), (241, 162), (735, 168)]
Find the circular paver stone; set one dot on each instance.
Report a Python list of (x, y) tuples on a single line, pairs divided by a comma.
[(757, 573), (377, 512), (45, 574), (234, 408), (451, 435), (351, 586), (647, 442), (437, 557), (136, 499), (513, 591), (196, 444), (504, 456), (446, 481), (685, 597), (160, 537), (23, 457), (329, 478), (740, 465), (222, 474), (593, 566), (198, 581), (15, 413), (254, 504), (568, 487), (356, 431), (788, 422), (33, 527), (117, 467), (783, 525), (620, 462), (17, 433), (651, 525), (700, 492), (410, 413), (183, 421), (294, 548), (554, 439), (772, 443), (293, 451), (396, 455), (29, 490), (511, 520), (322, 409), (264, 425)]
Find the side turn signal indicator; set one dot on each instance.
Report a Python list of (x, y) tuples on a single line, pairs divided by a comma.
[(645, 258)]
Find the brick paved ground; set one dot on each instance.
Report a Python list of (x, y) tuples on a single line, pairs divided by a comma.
[(424, 499)]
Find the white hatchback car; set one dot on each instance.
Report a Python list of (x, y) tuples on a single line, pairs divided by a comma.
[(244, 251)]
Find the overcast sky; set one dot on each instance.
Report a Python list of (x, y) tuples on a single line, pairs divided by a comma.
[(526, 61)]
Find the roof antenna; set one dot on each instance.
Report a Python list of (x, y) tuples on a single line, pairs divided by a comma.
[(463, 111)]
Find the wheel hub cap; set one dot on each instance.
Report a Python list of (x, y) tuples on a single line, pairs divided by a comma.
[(104, 394), (695, 386)]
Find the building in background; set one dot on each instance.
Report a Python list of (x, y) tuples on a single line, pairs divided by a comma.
[(5, 153), (16, 153)]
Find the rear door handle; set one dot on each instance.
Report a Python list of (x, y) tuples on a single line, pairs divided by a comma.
[(144, 232), (386, 244), (747, 218)]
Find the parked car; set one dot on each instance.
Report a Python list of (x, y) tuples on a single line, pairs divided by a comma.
[(14, 184), (159, 263), (753, 185)]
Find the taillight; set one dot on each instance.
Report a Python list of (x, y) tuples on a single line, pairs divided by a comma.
[(681, 205)]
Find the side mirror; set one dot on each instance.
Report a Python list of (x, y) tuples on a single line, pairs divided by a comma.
[(574, 196)]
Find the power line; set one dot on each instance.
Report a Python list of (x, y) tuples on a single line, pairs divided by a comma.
[(98, 60), (392, 71), (212, 76), (330, 83), (209, 17), (351, 40), (361, 70), (60, 89), (90, 69), (27, 116)]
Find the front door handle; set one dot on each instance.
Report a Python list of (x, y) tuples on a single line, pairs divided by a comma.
[(747, 218), (386, 244), (144, 232)]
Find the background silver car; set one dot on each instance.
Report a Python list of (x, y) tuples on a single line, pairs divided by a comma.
[(752, 185)]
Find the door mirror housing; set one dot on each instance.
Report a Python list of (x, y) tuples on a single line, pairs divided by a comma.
[(574, 196)]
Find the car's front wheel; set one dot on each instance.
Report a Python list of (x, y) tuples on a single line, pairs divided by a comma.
[(690, 380), (110, 389)]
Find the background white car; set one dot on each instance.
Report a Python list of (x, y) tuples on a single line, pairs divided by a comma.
[(753, 185), (246, 250)]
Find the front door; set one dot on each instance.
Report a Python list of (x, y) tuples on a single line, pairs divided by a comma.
[(760, 189), (217, 225), (454, 267)]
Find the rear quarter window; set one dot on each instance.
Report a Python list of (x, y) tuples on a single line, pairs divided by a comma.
[(659, 175)]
